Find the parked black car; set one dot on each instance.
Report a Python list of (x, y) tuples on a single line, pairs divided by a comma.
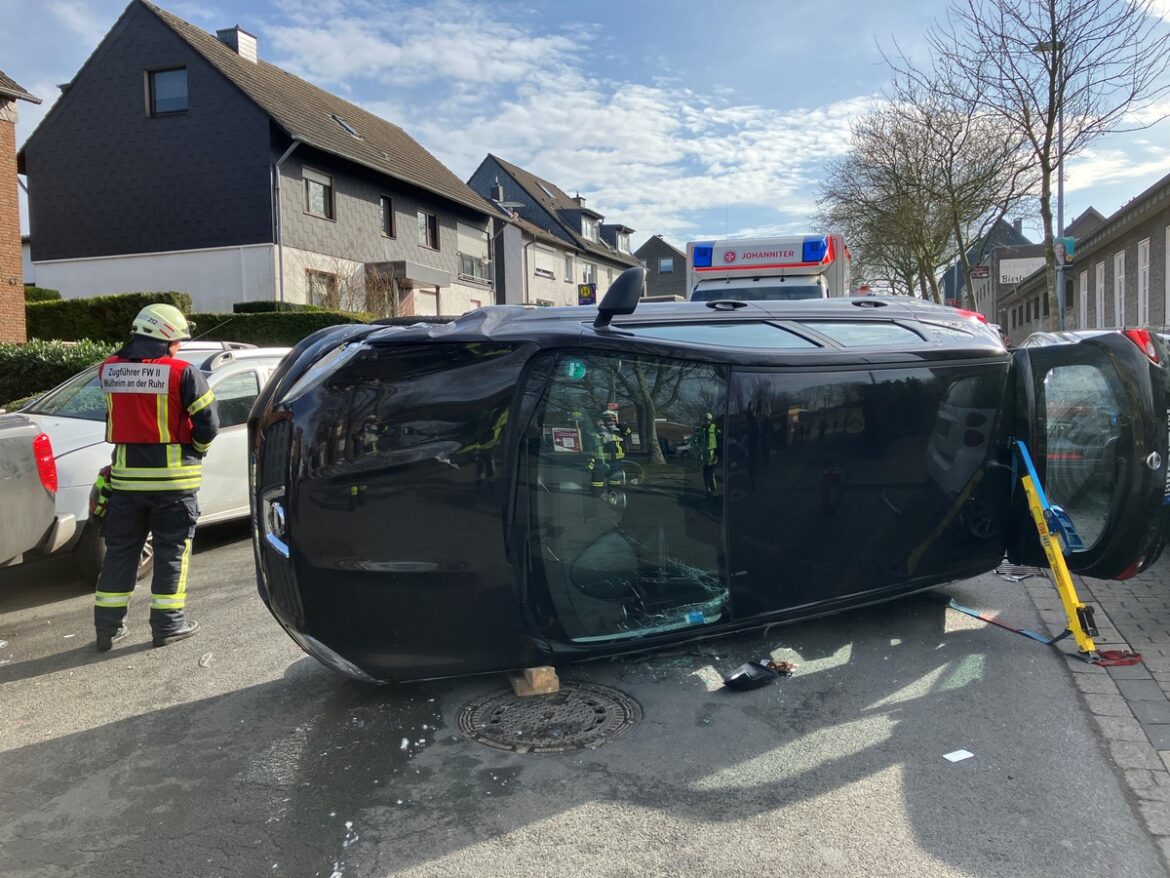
[(439, 500)]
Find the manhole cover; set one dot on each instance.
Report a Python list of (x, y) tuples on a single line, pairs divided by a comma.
[(579, 717)]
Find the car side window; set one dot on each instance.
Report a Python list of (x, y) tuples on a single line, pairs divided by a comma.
[(235, 396), (624, 485)]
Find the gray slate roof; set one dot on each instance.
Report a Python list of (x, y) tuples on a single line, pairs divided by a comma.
[(11, 89), (553, 199), (305, 111)]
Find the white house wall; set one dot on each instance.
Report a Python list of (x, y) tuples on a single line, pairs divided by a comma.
[(214, 278)]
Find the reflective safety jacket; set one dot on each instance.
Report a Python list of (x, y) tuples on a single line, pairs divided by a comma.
[(161, 417), (708, 443), (610, 442)]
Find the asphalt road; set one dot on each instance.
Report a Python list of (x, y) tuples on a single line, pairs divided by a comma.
[(145, 762)]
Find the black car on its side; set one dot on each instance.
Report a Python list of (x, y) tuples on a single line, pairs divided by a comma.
[(434, 500)]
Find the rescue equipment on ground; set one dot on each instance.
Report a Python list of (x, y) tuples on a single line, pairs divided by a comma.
[(1057, 535)]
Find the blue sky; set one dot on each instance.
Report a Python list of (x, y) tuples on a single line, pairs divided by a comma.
[(679, 118)]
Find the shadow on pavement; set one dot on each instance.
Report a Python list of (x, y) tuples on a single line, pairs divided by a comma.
[(311, 775)]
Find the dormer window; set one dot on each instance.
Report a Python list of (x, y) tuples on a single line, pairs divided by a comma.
[(623, 241), (589, 228)]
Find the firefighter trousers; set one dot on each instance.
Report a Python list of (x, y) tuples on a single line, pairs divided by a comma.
[(170, 516)]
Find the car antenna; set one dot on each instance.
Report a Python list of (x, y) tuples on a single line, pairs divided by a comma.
[(213, 329)]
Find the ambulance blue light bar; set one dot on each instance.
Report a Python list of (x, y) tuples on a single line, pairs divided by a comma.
[(815, 249), (701, 254)]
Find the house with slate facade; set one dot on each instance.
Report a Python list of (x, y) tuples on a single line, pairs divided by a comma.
[(552, 243), (177, 159), (666, 268)]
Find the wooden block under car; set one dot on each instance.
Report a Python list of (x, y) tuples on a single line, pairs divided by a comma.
[(535, 681)]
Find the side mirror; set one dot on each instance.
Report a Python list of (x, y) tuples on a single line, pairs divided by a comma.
[(622, 296)]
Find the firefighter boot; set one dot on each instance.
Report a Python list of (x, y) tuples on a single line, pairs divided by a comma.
[(106, 640), (187, 629)]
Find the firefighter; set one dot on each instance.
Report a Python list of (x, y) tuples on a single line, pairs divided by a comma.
[(609, 449), (707, 441), (161, 417)]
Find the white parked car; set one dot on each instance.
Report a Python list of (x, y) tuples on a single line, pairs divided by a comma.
[(74, 416)]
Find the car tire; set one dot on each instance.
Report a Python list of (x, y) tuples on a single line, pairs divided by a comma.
[(91, 554)]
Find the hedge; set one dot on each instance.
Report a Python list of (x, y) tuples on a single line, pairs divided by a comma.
[(41, 294), (275, 328), (107, 318), (36, 366), (268, 305)]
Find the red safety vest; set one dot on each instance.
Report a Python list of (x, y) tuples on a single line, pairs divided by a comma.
[(144, 401)]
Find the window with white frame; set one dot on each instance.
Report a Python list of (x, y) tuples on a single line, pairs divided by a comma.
[(588, 273), (1099, 296), (1143, 283), (1166, 280), (608, 277), (1084, 293), (569, 267), (666, 265), (472, 243), (544, 262), (318, 193), (623, 240), (1119, 289), (589, 227)]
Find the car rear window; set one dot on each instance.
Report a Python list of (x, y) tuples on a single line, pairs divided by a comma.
[(858, 333), (740, 334)]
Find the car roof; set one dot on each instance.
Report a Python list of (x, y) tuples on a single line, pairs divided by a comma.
[(544, 324)]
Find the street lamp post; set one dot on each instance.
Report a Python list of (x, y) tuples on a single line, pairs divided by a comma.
[(1057, 49)]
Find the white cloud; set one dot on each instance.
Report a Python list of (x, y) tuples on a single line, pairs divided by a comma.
[(1100, 167), (650, 155), (81, 20)]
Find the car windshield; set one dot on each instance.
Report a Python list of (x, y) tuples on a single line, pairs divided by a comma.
[(81, 396), (757, 294)]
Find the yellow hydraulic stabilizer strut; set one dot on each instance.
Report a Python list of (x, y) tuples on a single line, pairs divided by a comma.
[(1049, 518)]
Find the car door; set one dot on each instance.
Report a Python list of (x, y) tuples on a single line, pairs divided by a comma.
[(1095, 415), (225, 473)]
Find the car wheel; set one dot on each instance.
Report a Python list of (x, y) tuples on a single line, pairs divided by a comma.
[(91, 554)]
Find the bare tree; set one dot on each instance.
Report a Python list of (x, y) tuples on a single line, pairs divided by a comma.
[(979, 168), (1061, 73), (880, 193)]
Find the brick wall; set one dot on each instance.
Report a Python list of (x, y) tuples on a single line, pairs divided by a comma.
[(11, 274)]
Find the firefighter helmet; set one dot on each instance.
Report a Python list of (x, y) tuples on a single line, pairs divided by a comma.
[(165, 322), (609, 415)]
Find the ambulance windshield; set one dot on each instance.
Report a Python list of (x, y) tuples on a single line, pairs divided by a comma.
[(755, 292)]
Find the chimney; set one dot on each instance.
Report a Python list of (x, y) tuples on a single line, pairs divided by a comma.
[(239, 41), (580, 201), (1018, 225), (497, 191)]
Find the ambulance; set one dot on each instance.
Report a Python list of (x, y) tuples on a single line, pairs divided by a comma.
[(753, 269)]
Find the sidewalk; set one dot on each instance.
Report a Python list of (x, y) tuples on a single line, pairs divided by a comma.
[(1131, 705)]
